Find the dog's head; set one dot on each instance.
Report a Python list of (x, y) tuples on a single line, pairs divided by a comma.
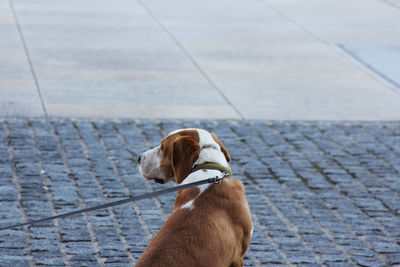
[(179, 152)]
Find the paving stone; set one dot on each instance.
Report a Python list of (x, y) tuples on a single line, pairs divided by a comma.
[(13, 261), (269, 257), (367, 261), (13, 252), (299, 257), (333, 258), (50, 261), (385, 247), (340, 264), (393, 258), (319, 192)]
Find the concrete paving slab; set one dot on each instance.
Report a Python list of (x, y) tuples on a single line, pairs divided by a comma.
[(8, 30), (19, 98), (125, 110), (395, 3), (270, 68), (256, 60), (114, 59), (345, 21), (130, 93), (382, 59), (18, 92), (326, 102)]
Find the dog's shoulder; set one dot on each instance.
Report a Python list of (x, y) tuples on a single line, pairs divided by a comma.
[(235, 184)]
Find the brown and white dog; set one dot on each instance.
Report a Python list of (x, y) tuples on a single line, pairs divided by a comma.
[(210, 224)]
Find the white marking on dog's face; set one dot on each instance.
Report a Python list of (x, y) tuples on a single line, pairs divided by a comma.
[(149, 165)]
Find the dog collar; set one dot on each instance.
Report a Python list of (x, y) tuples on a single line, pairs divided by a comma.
[(212, 166)]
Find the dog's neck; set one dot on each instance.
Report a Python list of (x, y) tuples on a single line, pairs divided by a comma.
[(207, 154), (211, 154)]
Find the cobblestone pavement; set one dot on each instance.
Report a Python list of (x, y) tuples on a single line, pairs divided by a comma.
[(320, 193)]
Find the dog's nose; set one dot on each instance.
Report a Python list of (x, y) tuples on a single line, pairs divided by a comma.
[(139, 158)]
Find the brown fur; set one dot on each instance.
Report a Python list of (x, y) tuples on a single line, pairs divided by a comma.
[(224, 150), (216, 232), (179, 152)]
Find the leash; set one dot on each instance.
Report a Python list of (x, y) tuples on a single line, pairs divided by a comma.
[(213, 180)]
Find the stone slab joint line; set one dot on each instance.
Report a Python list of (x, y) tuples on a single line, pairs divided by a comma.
[(124, 146), (148, 184), (336, 213), (395, 6), (49, 194), (377, 157), (187, 54), (111, 212), (340, 50), (285, 220), (325, 230), (94, 240), (395, 86), (377, 224), (117, 171), (256, 218), (276, 209), (28, 58), (17, 184), (137, 208), (273, 158)]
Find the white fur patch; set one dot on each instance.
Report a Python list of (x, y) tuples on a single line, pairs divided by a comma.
[(203, 187), (206, 139), (210, 151), (150, 164), (195, 177), (199, 176), (189, 205)]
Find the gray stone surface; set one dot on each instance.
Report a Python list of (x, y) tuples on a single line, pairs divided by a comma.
[(321, 194), (382, 59), (18, 92), (279, 60)]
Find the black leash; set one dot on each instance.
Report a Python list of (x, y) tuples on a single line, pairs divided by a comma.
[(214, 180)]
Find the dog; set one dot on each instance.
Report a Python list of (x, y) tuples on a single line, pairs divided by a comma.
[(210, 224)]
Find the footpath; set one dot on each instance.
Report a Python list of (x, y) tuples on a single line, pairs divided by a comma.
[(258, 59), (305, 96), (321, 194)]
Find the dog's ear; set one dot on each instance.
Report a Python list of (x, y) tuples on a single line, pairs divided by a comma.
[(224, 150), (185, 152)]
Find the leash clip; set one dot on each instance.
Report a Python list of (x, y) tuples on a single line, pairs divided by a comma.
[(215, 180), (218, 178)]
